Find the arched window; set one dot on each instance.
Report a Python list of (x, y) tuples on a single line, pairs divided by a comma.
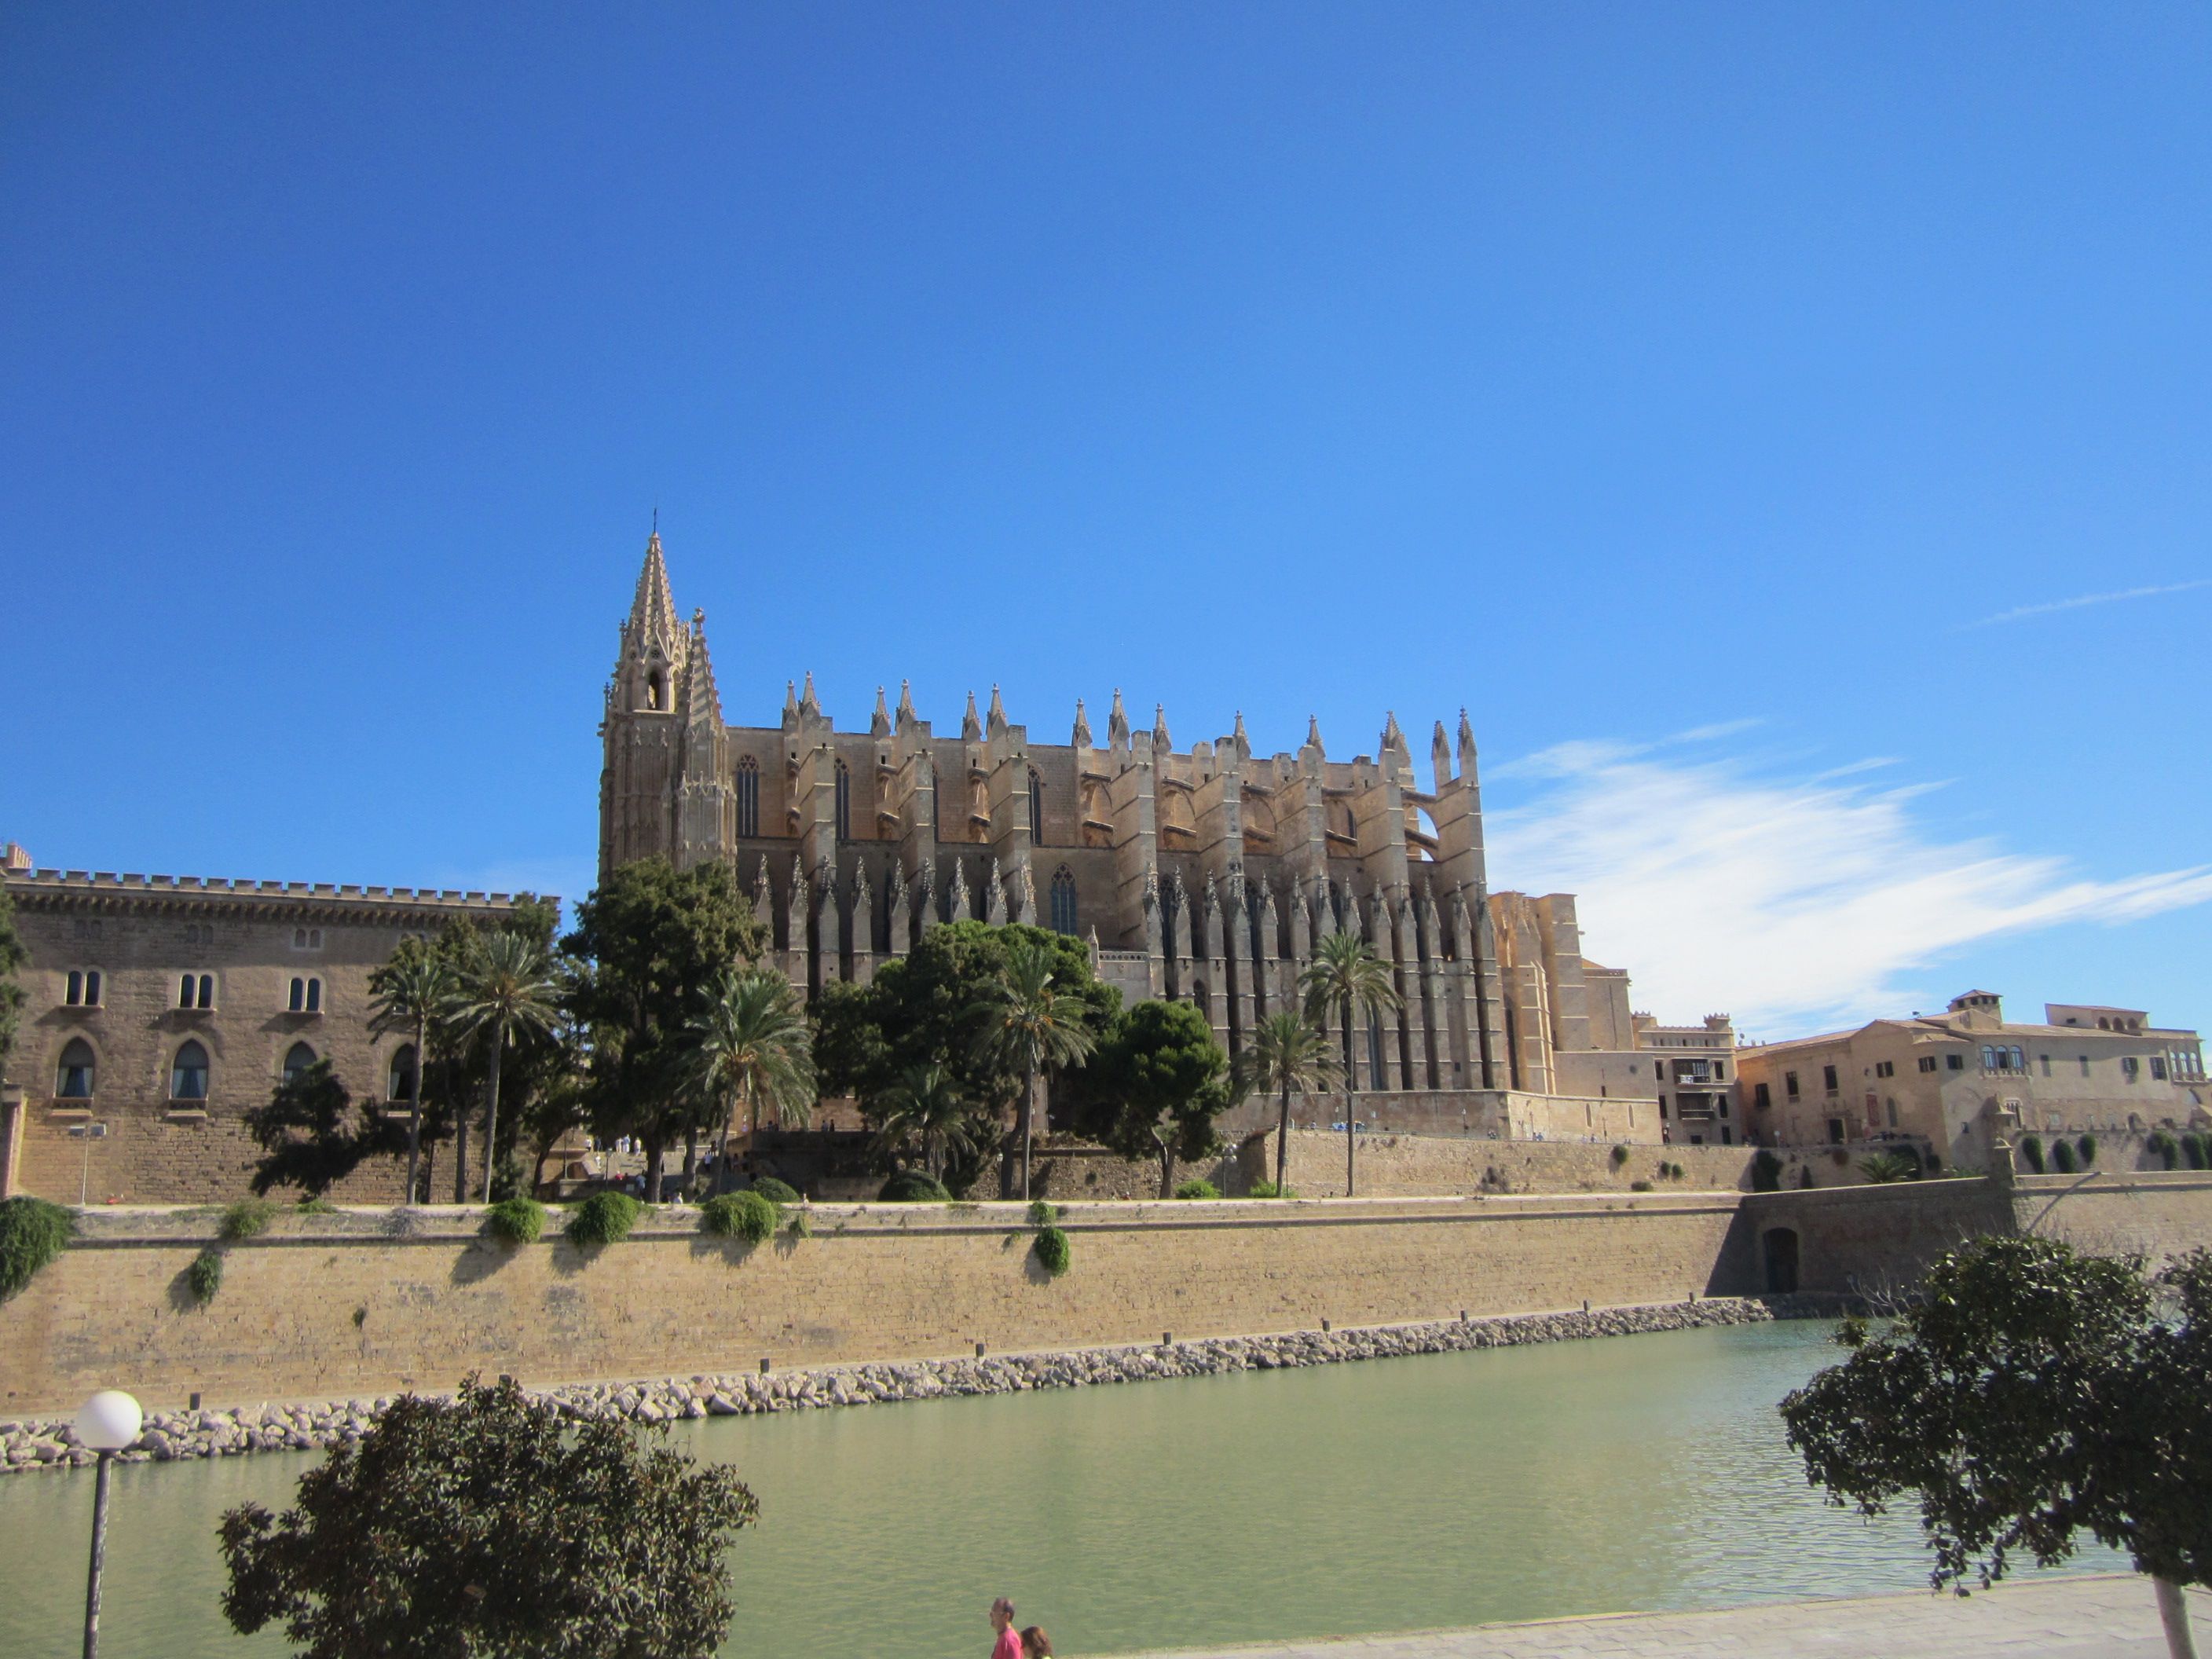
[(196, 991), (656, 690), (844, 802), (307, 996), (402, 1074), (73, 1076), (1036, 809), (297, 1059), (748, 797), (188, 1074), (1063, 900)]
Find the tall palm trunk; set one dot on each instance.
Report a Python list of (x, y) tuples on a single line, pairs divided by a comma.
[(2173, 1614), (1351, 1091), (415, 1106), (461, 1146), (1283, 1140), (656, 1151), (1029, 1105), (690, 1156), (491, 1106)]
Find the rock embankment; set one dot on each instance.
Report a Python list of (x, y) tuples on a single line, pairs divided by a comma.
[(169, 1436)]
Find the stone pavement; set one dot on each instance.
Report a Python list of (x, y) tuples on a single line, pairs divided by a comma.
[(2102, 1617)]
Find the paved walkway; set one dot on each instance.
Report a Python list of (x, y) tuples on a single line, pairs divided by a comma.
[(2103, 1617)]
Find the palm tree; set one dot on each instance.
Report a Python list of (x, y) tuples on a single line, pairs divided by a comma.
[(751, 1044), (925, 1105), (409, 994), (1347, 977), (509, 987), (1284, 1052), (1023, 1019)]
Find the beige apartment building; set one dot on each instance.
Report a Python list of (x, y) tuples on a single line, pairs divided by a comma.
[(1958, 1079), (159, 1009)]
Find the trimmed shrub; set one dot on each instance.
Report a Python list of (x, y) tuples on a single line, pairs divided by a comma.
[(2088, 1147), (603, 1219), (748, 1215), (1052, 1251), (2165, 1146), (776, 1192), (1269, 1190), (316, 1204), (1619, 1156), (2030, 1149), (1639, 1186), (2061, 1158), (247, 1218), (1766, 1172), (1041, 1214), (518, 1220), (802, 1226), (1680, 1173), (204, 1276), (33, 1232), (1198, 1188), (2195, 1152), (913, 1187), (1934, 1163)]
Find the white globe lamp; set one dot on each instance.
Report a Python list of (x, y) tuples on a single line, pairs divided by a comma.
[(109, 1421)]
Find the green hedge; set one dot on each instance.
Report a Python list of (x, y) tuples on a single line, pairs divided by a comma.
[(204, 1276), (1266, 1189), (750, 1216), (913, 1187), (1052, 1250), (1198, 1188), (776, 1192), (247, 1218), (2030, 1149), (2061, 1158), (518, 1220), (2165, 1147), (33, 1232), (603, 1219)]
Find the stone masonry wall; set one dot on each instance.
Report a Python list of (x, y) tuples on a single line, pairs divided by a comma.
[(1389, 1165), (2155, 1215), (322, 1307)]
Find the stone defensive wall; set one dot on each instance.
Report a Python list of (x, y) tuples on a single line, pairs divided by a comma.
[(364, 1303)]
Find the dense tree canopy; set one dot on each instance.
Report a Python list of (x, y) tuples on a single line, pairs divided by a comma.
[(312, 1138), (486, 1526), (2030, 1395), (1154, 1086), (652, 941)]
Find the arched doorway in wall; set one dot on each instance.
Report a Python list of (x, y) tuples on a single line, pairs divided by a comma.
[(1781, 1261)]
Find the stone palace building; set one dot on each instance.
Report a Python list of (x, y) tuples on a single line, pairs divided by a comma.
[(1204, 873)]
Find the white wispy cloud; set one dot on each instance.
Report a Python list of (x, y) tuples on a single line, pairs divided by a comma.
[(1789, 903), (2082, 601)]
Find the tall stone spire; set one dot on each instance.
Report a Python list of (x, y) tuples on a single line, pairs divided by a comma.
[(879, 724), (906, 714), (971, 724), (1081, 736), (809, 704), (790, 703), (996, 725), (702, 703), (1467, 756), (1313, 736), (652, 612), (1237, 736), (1117, 723), (1440, 756), (1161, 743), (1392, 736)]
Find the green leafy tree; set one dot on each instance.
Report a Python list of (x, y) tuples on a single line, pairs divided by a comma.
[(1882, 1167), (508, 991), (409, 992), (311, 1137), (1348, 978), (925, 1108), (486, 1526), (752, 1047), (1028, 1020), (13, 958), (655, 940), (1285, 1053), (917, 1012), (2030, 1395), (1155, 1085)]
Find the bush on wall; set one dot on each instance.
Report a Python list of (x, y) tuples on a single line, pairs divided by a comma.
[(1198, 1186), (2030, 1149), (33, 1232), (776, 1192), (204, 1276), (913, 1187), (750, 1216), (247, 1218), (518, 1220), (1052, 1250), (603, 1219), (2061, 1158)]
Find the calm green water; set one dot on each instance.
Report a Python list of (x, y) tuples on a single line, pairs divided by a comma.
[(1642, 1472)]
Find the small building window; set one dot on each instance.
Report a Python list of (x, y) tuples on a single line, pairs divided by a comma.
[(307, 938), (83, 991), (1760, 1099), (2158, 1067), (73, 1075), (1037, 813), (1790, 1085), (2044, 1061), (2129, 1065), (188, 1074), (297, 1059), (307, 996), (1063, 901), (402, 1075), (748, 797), (1927, 1062), (2085, 1065), (196, 991), (1835, 1131), (1955, 1062), (1828, 1079), (844, 802), (1884, 1068)]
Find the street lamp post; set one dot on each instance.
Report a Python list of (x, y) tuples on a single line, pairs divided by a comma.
[(87, 1133), (109, 1422)]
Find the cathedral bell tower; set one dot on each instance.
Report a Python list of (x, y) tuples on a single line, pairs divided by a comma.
[(644, 727)]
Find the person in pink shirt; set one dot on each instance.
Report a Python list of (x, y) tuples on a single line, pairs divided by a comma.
[(1009, 1645)]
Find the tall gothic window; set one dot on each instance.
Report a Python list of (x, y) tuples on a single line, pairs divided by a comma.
[(73, 1076), (1036, 809), (297, 1059), (188, 1074), (402, 1077), (748, 797), (844, 802), (1063, 900)]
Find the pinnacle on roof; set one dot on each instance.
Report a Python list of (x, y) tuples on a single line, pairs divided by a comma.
[(790, 700), (702, 703), (1081, 736), (906, 702), (879, 724), (997, 725), (971, 725), (1392, 737), (1237, 736), (1161, 741), (1465, 736), (808, 703), (1117, 721), (1313, 735)]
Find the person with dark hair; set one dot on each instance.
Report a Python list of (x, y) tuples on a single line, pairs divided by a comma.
[(1009, 1645), (1036, 1644)]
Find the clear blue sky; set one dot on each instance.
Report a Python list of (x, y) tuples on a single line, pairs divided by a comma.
[(1618, 371)]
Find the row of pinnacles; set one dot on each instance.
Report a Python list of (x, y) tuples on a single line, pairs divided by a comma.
[(1205, 874)]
